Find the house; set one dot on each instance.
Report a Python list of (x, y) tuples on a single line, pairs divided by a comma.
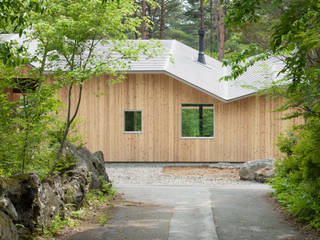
[(179, 111)]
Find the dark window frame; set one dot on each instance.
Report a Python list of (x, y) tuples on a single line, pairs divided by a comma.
[(200, 105), (25, 85), (124, 121)]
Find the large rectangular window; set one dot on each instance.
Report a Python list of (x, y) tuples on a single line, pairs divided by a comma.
[(197, 120), (132, 121)]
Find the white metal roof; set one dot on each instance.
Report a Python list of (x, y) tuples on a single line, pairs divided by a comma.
[(204, 77)]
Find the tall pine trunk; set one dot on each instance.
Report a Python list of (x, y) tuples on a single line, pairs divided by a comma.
[(162, 19), (202, 15), (211, 28), (143, 24), (221, 31)]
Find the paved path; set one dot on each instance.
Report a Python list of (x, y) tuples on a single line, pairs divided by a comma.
[(194, 212)]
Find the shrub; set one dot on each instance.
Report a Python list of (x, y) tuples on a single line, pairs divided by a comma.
[(297, 175), (30, 130)]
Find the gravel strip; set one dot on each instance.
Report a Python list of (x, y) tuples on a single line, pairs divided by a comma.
[(151, 173)]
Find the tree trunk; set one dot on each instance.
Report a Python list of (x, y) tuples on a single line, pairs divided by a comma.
[(222, 32), (202, 15), (143, 24), (162, 21), (68, 123), (151, 12), (211, 28), (216, 17)]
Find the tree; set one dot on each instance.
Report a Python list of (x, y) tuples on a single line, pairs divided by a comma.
[(162, 20), (221, 30), (201, 15), (295, 40), (70, 37), (143, 24), (28, 124), (212, 28)]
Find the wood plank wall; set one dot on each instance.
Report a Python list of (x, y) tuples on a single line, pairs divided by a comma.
[(244, 129)]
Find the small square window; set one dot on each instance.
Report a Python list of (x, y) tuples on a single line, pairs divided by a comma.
[(132, 121), (197, 120)]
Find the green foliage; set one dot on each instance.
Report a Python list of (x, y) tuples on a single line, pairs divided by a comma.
[(14, 17), (295, 37), (297, 180), (69, 38), (58, 224), (108, 190), (30, 127), (97, 198), (27, 142), (78, 214), (103, 219)]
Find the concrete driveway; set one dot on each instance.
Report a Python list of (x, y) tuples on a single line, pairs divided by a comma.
[(235, 212)]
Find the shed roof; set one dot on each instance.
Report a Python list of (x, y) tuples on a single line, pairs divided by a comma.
[(204, 77)]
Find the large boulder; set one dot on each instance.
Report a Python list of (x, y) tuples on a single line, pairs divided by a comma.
[(8, 230), (50, 200), (263, 174), (94, 163), (29, 202), (248, 171), (76, 186), (22, 190)]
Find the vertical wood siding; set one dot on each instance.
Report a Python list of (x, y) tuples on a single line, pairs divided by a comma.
[(244, 129)]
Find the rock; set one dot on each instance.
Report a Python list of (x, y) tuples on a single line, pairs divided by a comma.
[(8, 230), (27, 201), (76, 186), (50, 200), (22, 190), (263, 174), (35, 202), (249, 169), (94, 163), (7, 207), (100, 165)]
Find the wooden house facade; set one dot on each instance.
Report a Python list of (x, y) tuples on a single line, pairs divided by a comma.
[(243, 130)]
